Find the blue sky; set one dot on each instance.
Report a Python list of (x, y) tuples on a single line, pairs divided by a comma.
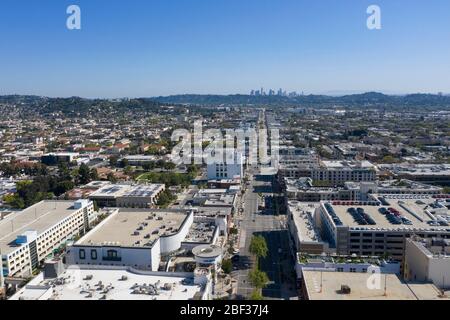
[(140, 48)]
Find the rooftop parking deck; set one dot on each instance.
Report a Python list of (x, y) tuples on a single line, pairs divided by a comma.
[(414, 213)]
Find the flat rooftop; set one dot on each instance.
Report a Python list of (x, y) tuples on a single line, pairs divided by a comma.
[(419, 169), (201, 232), (417, 211), (38, 217), (211, 211), (396, 289), (347, 164), (126, 190), (179, 287), (134, 228), (303, 219)]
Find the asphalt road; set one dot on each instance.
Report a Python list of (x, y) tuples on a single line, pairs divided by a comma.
[(278, 264)]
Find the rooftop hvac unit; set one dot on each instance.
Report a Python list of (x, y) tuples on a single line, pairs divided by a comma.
[(345, 289)]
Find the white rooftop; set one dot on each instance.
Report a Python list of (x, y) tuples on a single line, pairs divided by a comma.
[(76, 284), (38, 217)]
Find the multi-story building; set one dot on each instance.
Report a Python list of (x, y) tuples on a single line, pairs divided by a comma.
[(303, 189), (438, 174), (331, 173), (379, 227), (339, 172), (29, 236), (232, 166)]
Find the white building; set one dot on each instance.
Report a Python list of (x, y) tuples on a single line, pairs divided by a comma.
[(428, 260), (357, 264), (232, 166), (117, 283), (134, 238), (208, 255), (29, 236)]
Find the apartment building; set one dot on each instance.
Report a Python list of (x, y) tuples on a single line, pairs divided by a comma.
[(29, 236), (332, 173)]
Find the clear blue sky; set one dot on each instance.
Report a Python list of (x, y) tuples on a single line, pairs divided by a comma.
[(160, 47)]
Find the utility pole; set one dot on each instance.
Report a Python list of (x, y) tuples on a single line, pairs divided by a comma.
[(321, 281), (2, 280)]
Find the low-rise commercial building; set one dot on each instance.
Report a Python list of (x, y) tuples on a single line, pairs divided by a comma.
[(127, 195), (117, 283), (53, 159), (319, 285), (428, 260), (333, 263), (133, 237)]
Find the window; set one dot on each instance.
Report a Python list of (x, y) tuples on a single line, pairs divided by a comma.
[(82, 254), (94, 254)]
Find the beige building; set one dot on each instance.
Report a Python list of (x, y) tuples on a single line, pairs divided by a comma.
[(322, 285), (428, 260)]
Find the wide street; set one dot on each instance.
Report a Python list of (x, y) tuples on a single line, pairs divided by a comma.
[(278, 264)]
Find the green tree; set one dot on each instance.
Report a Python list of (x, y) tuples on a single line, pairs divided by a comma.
[(94, 174), (258, 246), (227, 266), (258, 279), (111, 177), (128, 170), (84, 174), (166, 198), (256, 295), (113, 160), (63, 186), (124, 163)]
